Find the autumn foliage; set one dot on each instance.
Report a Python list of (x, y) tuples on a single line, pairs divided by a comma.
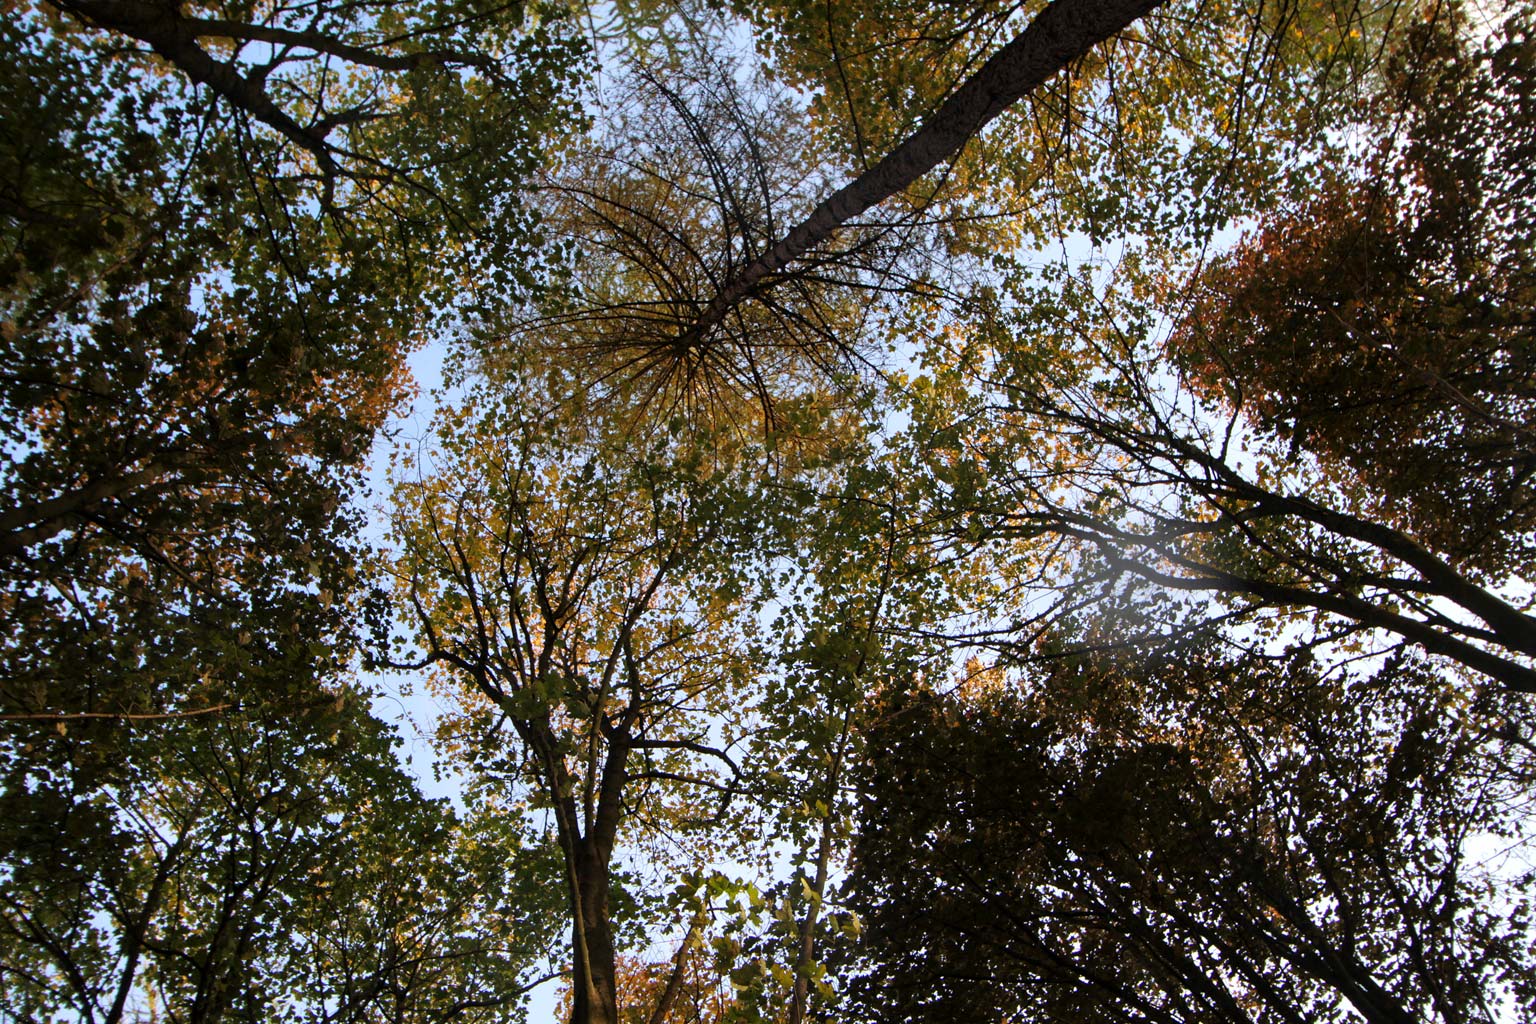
[(1382, 324)]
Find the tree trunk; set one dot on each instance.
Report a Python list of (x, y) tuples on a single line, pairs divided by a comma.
[(800, 996), (174, 37), (594, 974), (1060, 34), (594, 998), (675, 979)]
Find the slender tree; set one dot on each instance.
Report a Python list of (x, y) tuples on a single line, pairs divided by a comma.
[(697, 330), (1061, 33), (567, 583)]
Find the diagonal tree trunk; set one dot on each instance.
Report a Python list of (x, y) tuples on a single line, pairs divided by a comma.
[(174, 37), (1060, 34)]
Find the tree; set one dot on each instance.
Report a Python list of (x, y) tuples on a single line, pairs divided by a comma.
[(345, 87), (1383, 323), (136, 423), (654, 252), (197, 355), (650, 228), (1193, 836), (256, 865), (1061, 33), (569, 581), (1151, 487), (162, 245), (201, 338), (667, 549), (1107, 112), (692, 328), (204, 325), (694, 985)]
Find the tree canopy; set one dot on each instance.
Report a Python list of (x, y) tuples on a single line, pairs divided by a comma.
[(1014, 512)]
